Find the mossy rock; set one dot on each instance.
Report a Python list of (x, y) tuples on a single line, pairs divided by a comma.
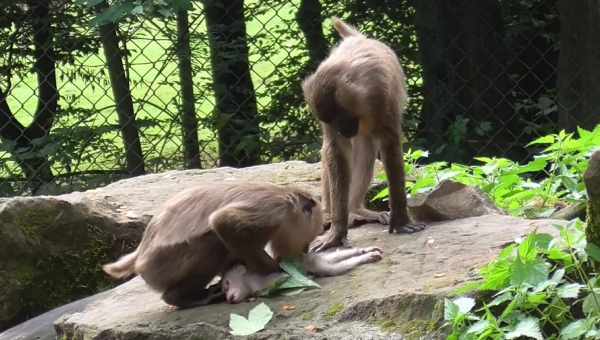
[(592, 184), (50, 251)]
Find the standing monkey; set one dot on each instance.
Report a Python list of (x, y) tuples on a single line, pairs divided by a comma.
[(359, 95)]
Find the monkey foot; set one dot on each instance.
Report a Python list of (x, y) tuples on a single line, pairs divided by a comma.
[(328, 240), (364, 216), (373, 254), (408, 228)]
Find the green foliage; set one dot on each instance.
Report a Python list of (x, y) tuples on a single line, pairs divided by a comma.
[(257, 319), (293, 283), (535, 189), (540, 288), (120, 9)]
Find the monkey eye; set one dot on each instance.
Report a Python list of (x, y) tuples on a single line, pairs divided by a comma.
[(308, 205)]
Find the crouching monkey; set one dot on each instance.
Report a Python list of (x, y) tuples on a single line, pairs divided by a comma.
[(204, 232), (359, 95)]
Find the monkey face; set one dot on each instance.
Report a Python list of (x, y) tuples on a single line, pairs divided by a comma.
[(346, 126)]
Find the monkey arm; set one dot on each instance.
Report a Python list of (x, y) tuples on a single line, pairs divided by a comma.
[(338, 152), (245, 232)]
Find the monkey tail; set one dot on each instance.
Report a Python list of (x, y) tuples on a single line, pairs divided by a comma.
[(343, 29), (123, 267)]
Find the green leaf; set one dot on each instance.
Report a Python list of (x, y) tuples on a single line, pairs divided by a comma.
[(557, 254), (114, 13), (531, 272), (384, 193), (569, 291), (558, 275), (258, 318), (528, 327), (297, 275), (591, 303), (500, 299), (536, 299), (543, 140), (593, 251), (533, 166), (574, 330), (528, 249), (293, 283), (478, 327), (88, 3), (139, 9), (465, 304), (592, 334), (451, 310)]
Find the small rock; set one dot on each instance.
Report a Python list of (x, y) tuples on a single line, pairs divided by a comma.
[(449, 201)]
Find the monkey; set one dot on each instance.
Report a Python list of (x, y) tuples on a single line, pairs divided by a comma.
[(239, 283), (203, 232), (358, 94)]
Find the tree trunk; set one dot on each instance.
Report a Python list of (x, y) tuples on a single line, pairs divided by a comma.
[(191, 151), (122, 96), (465, 80), (310, 21), (579, 64), (237, 117), (36, 167)]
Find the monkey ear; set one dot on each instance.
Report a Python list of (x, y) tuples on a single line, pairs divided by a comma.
[(307, 203)]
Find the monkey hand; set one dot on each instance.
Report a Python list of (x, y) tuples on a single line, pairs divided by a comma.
[(331, 238)]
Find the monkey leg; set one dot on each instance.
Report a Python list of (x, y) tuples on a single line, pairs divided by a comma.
[(191, 292), (340, 261), (344, 254), (393, 162), (336, 153), (245, 232)]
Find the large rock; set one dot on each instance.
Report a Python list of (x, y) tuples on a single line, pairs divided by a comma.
[(592, 185), (400, 296), (51, 246), (451, 200)]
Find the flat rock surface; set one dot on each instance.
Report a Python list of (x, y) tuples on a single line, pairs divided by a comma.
[(402, 293)]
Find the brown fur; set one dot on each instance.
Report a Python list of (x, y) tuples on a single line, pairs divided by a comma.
[(203, 232), (359, 95)]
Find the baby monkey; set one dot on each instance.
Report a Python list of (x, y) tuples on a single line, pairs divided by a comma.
[(238, 283)]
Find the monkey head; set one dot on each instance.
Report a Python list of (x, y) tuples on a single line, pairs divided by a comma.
[(325, 106), (347, 126), (303, 223), (342, 120), (235, 285)]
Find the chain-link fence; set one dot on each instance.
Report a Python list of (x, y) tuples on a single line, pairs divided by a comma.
[(93, 90)]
